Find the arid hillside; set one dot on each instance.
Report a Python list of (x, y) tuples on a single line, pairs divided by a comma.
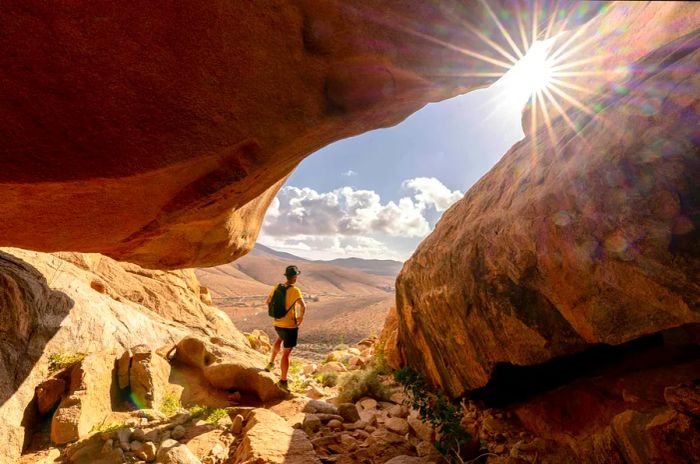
[(347, 299)]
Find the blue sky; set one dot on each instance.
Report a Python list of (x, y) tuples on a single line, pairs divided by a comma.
[(377, 195)]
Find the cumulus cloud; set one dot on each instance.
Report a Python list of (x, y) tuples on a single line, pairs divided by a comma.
[(431, 193), (343, 211), (348, 222), (349, 173)]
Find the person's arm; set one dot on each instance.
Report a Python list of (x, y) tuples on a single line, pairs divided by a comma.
[(302, 310)]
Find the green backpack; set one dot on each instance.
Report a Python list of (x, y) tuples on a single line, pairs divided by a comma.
[(277, 307)]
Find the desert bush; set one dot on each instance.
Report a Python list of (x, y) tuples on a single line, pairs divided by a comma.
[(357, 384), (378, 360), (210, 415), (170, 405), (436, 409), (58, 361), (106, 427), (327, 379)]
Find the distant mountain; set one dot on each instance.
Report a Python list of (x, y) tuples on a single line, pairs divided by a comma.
[(261, 250), (255, 273), (383, 267)]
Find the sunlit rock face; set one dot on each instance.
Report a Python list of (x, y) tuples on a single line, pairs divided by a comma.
[(67, 303), (159, 134), (586, 232)]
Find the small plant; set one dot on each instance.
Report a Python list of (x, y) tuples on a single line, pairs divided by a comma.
[(210, 415), (170, 405), (435, 408), (327, 379), (58, 361), (379, 361), (106, 427), (361, 383)]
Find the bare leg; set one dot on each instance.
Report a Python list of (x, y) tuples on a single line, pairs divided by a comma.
[(275, 350), (285, 362)]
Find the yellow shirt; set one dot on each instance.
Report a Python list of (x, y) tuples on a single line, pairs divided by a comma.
[(293, 298)]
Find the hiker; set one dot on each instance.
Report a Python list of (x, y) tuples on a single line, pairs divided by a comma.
[(286, 305)]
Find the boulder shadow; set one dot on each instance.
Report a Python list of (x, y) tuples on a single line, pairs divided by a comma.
[(31, 313)]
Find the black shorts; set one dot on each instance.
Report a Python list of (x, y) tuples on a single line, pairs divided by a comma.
[(288, 336)]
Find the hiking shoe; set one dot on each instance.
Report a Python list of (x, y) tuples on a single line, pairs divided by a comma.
[(283, 385), (269, 367)]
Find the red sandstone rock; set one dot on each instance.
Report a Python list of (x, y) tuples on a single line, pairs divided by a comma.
[(592, 239), (158, 134)]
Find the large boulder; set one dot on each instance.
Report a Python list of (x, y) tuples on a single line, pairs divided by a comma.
[(229, 367), (268, 438), (159, 134), (53, 304), (148, 379), (89, 402), (574, 238)]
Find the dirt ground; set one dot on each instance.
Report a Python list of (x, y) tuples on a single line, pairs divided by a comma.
[(331, 320)]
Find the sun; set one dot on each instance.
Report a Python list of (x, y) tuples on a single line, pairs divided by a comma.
[(534, 71), (531, 75)]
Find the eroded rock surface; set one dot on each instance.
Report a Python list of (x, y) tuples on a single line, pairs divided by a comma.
[(159, 134), (572, 239), (227, 367), (71, 303)]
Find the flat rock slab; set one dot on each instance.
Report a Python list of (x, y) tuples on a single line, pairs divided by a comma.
[(269, 439)]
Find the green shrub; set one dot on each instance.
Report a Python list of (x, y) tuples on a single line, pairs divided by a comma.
[(435, 408), (58, 361), (357, 384), (106, 427), (327, 379), (210, 415), (379, 361), (170, 405)]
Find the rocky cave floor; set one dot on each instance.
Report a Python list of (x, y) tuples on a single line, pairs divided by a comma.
[(320, 423)]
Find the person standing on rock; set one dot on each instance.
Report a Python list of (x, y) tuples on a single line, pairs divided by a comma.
[(286, 305)]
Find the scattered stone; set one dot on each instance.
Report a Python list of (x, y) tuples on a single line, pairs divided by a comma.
[(427, 449), (333, 366), (369, 416), (124, 437), (312, 423), (335, 424), (422, 430), (138, 434), (329, 417), (172, 452), (178, 432), (151, 436), (310, 369), (398, 410), (148, 452), (367, 403), (107, 447), (397, 425), (268, 439), (49, 393), (349, 412), (316, 406), (237, 424), (313, 392)]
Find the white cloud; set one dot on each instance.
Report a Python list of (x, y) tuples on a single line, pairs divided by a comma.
[(347, 222), (343, 211), (349, 173), (431, 193)]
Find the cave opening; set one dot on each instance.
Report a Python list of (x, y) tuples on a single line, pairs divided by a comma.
[(511, 384)]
